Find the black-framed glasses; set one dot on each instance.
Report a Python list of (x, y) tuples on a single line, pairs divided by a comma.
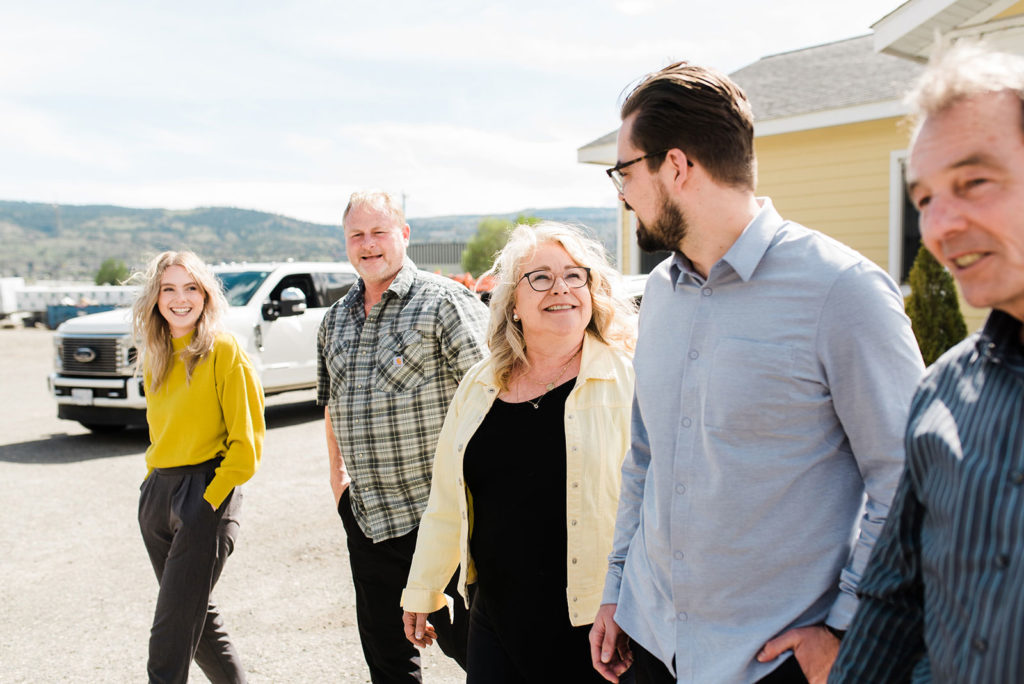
[(615, 173), (543, 280)]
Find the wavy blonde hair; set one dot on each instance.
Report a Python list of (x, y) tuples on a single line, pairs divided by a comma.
[(613, 320), (152, 330)]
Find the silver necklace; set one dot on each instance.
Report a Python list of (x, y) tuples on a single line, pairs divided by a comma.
[(535, 403)]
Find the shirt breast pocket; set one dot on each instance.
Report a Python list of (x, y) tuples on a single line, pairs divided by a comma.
[(404, 362), (750, 386), (337, 367)]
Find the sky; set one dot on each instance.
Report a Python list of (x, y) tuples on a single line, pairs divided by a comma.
[(459, 106)]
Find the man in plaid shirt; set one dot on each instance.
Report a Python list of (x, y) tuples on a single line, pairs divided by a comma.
[(390, 355)]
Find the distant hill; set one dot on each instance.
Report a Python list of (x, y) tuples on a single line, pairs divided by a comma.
[(47, 241)]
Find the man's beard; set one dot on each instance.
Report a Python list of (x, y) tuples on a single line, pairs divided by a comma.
[(666, 232)]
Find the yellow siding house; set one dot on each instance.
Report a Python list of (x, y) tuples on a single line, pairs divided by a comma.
[(830, 132)]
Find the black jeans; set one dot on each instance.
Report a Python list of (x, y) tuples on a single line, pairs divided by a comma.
[(379, 573), (650, 670), (188, 542)]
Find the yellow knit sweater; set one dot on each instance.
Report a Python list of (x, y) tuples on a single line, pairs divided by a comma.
[(220, 412)]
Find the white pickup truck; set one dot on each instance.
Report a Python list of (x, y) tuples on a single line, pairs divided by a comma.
[(275, 313)]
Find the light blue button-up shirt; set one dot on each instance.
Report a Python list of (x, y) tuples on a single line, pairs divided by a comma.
[(771, 399)]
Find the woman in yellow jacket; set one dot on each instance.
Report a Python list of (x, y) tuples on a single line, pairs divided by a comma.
[(527, 470), (204, 406)]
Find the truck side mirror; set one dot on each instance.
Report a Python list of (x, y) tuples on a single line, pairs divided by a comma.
[(293, 302)]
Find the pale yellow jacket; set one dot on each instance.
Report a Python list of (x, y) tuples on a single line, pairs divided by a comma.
[(597, 421)]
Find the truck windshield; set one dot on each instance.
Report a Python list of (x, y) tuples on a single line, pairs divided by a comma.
[(239, 285)]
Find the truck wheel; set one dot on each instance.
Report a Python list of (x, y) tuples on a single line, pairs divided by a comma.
[(102, 428)]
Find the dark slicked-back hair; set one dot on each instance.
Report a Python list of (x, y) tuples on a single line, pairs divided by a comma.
[(701, 112)]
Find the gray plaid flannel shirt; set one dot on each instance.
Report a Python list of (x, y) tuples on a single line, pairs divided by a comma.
[(387, 379)]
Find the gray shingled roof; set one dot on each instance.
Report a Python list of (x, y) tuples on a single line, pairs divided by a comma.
[(842, 74), (831, 76)]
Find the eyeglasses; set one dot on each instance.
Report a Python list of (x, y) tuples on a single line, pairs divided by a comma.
[(543, 280), (615, 173)]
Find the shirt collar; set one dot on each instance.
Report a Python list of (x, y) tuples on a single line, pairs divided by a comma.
[(399, 287), (179, 343), (748, 250), (595, 364), (1000, 339)]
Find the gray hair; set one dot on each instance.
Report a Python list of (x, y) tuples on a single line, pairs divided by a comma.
[(961, 71)]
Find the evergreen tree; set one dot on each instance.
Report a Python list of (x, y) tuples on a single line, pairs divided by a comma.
[(933, 307)]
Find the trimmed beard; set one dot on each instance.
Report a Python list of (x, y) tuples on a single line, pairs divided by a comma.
[(666, 232)]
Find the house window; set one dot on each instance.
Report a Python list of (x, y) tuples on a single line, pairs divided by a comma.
[(904, 229), (911, 229)]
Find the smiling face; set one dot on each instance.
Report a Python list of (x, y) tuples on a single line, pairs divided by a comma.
[(181, 300), (966, 177), (375, 243), (560, 313)]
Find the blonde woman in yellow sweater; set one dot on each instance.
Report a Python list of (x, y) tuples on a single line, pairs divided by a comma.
[(205, 413)]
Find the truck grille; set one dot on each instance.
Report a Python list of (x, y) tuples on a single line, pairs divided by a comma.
[(105, 356)]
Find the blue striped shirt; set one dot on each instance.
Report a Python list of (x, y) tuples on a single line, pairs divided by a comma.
[(943, 596)]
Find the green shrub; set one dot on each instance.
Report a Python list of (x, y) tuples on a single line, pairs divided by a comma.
[(933, 307)]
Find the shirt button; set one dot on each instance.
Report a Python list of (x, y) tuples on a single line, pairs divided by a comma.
[(459, 481), (575, 449), (575, 485), (570, 416), (680, 488), (575, 561), (980, 645), (694, 354), (706, 291), (574, 523), (679, 555), (575, 599), (682, 617), (687, 422), (1017, 477), (1003, 561), (460, 446)]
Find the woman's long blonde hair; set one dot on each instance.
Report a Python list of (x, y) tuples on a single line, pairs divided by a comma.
[(152, 331), (613, 320)]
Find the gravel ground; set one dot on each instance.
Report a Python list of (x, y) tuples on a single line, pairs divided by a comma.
[(76, 588)]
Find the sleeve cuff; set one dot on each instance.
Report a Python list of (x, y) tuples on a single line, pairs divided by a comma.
[(842, 612), (422, 600), (612, 585), (217, 491)]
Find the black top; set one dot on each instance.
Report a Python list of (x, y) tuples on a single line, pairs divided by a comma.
[(515, 470)]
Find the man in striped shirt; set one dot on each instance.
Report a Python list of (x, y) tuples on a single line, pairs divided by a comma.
[(943, 596)]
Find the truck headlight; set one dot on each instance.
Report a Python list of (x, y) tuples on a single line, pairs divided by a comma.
[(127, 355), (58, 353)]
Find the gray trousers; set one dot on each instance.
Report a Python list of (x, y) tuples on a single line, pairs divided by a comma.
[(188, 543)]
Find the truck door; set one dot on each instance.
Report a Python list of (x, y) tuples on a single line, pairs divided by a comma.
[(289, 342)]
